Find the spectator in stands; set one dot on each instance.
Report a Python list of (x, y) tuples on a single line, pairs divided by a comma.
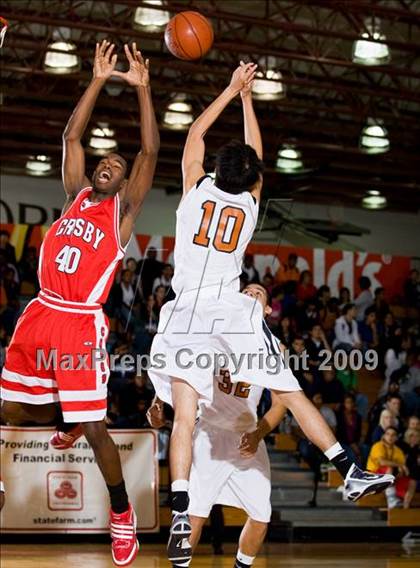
[(160, 296), (387, 331), (413, 423), (411, 449), (149, 269), (7, 248), (328, 316), (308, 316), (348, 378), (28, 267), (146, 326), (409, 381), (386, 457), (368, 331), (297, 362), (288, 271), (386, 420), (165, 279), (412, 289), (268, 282), (6, 266), (349, 427), (306, 289), (131, 265), (395, 357), (365, 299), (125, 295), (249, 272), (332, 390), (286, 334), (380, 304), (324, 296), (346, 333), (315, 345), (9, 300), (344, 297)]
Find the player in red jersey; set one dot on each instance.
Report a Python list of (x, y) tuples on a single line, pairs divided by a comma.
[(78, 260)]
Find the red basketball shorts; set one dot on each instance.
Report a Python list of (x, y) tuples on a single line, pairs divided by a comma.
[(57, 354)]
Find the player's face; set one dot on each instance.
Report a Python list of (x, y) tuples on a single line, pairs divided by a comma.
[(109, 174), (260, 294)]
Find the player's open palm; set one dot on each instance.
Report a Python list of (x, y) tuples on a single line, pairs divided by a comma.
[(105, 61), (138, 72)]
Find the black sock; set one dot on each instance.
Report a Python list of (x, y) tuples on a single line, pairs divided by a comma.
[(239, 564), (119, 497), (180, 501), (343, 463)]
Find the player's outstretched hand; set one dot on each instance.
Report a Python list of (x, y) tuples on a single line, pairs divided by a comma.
[(248, 444), (246, 90), (105, 61), (138, 72), (155, 414), (243, 76)]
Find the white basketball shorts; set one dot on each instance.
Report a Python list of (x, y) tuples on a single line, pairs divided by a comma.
[(219, 475), (200, 335)]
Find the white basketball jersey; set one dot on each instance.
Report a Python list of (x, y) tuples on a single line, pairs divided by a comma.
[(213, 229), (234, 405)]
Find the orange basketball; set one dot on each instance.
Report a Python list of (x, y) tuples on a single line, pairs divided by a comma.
[(189, 35)]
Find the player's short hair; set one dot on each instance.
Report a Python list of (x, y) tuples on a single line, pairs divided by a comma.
[(238, 167)]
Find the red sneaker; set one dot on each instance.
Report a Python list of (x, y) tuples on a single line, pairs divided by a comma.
[(124, 540), (65, 440)]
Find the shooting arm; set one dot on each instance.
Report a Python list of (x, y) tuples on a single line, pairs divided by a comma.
[(193, 157)]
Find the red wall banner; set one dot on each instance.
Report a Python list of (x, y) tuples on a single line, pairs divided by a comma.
[(332, 267)]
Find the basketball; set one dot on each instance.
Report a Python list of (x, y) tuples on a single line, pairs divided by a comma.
[(189, 35)]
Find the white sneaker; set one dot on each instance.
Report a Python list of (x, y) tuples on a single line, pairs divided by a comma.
[(359, 483)]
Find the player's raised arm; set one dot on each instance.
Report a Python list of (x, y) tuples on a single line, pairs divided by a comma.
[(73, 170), (252, 129), (193, 157), (142, 172)]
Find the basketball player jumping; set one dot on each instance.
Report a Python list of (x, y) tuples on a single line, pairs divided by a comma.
[(230, 463), (215, 223), (78, 259)]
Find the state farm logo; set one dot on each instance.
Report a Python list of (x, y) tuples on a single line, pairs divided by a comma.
[(65, 490)]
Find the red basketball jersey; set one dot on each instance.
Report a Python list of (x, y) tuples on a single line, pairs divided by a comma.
[(81, 251)]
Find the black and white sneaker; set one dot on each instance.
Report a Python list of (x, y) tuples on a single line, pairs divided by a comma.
[(179, 548), (360, 483)]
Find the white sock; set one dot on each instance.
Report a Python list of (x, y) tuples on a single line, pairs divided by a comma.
[(332, 452), (248, 560), (180, 485)]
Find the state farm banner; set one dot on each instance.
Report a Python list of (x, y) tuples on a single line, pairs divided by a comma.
[(335, 268), (54, 491)]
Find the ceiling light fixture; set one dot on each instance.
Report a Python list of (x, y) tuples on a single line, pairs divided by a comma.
[(374, 137), (289, 160), (368, 52), (39, 165), (151, 19), (268, 86), (61, 61), (178, 115), (374, 200), (102, 140)]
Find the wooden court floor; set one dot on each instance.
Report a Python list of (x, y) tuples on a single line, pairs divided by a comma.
[(153, 556)]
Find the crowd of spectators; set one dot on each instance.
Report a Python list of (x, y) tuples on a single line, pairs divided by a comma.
[(307, 319)]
